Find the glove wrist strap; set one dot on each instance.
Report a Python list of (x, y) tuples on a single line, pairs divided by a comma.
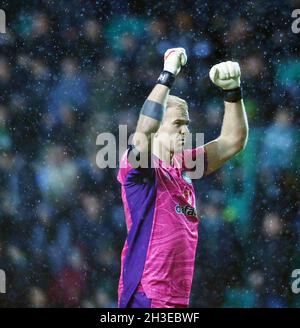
[(166, 78), (233, 95)]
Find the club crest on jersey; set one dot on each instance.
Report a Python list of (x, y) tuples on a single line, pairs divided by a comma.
[(186, 177), (186, 210)]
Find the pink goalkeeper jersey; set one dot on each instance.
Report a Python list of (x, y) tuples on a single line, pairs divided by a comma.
[(160, 210)]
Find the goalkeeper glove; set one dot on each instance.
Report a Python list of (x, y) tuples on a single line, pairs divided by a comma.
[(226, 75), (174, 59)]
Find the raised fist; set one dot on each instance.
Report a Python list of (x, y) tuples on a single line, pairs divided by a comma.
[(174, 59), (226, 75)]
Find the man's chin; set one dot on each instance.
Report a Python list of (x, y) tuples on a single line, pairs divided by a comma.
[(179, 148)]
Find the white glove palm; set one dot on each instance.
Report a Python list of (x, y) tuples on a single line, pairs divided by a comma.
[(226, 75), (174, 59)]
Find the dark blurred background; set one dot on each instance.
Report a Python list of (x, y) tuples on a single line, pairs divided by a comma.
[(70, 70)]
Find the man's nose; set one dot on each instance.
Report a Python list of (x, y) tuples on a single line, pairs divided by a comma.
[(184, 129)]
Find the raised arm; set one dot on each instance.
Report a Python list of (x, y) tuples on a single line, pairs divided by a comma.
[(150, 117), (234, 132), (153, 108)]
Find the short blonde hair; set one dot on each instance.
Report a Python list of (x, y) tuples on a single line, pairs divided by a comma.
[(174, 101)]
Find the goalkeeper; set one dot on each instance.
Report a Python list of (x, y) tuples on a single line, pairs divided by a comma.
[(157, 260)]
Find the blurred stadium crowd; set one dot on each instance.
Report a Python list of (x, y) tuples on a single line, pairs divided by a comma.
[(71, 70)]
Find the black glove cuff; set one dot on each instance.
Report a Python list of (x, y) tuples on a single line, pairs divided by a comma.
[(233, 95), (166, 78)]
